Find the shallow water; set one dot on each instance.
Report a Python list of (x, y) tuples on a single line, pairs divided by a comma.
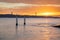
[(35, 29)]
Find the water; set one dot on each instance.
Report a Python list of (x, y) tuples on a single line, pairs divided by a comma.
[(35, 29)]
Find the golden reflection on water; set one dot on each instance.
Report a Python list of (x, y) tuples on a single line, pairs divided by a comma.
[(38, 33)]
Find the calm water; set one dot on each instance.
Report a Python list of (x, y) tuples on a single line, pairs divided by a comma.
[(35, 29)]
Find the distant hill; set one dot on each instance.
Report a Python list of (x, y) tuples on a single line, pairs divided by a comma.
[(21, 16)]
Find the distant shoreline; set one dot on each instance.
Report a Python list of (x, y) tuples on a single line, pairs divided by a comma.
[(22, 16)]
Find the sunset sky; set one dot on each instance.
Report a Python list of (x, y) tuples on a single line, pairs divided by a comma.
[(30, 7)]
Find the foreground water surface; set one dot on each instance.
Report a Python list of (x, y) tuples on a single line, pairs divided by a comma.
[(35, 29)]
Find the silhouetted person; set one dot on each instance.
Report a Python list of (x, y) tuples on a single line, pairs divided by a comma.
[(24, 20), (16, 21)]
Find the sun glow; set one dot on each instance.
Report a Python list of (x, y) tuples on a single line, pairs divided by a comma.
[(47, 14)]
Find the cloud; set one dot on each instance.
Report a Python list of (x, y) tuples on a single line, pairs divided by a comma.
[(15, 5), (33, 1), (22, 5)]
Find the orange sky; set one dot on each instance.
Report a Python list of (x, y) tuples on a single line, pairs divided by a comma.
[(25, 7), (40, 10)]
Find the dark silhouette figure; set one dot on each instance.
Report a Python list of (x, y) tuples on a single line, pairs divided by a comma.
[(16, 21), (24, 20)]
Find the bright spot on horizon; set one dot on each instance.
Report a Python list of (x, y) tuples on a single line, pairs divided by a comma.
[(47, 14)]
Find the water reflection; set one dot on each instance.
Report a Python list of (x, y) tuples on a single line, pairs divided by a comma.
[(39, 33), (34, 30), (16, 28), (20, 34), (24, 31), (16, 37)]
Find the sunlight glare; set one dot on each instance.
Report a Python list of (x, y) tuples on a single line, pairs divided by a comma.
[(46, 14)]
